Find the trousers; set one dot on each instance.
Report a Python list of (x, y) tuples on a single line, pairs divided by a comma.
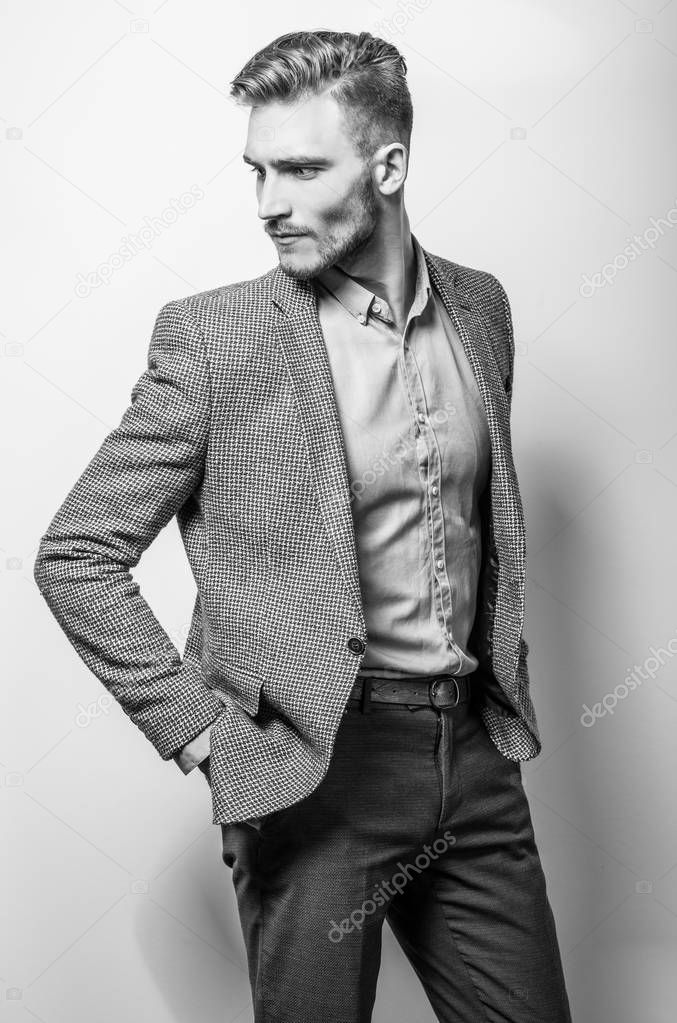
[(422, 822)]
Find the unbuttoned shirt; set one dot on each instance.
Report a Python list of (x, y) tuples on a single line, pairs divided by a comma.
[(418, 457)]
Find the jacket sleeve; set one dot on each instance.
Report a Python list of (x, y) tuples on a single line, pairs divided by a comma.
[(143, 472)]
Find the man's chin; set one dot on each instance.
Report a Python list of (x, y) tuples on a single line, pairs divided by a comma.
[(298, 269)]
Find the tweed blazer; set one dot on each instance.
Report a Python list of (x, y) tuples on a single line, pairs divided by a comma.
[(233, 428)]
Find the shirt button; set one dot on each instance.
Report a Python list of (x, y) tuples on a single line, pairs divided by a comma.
[(434, 489), (377, 307), (440, 564), (362, 318), (421, 417)]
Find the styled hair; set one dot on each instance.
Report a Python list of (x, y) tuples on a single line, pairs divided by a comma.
[(369, 76)]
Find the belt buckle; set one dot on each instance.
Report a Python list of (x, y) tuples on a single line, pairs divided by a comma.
[(434, 689)]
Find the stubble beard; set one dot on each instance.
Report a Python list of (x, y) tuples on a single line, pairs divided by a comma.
[(347, 230)]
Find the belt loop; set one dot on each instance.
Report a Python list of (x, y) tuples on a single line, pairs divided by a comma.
[(366, 695)]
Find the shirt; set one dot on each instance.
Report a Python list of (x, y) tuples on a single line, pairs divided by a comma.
[(418, 457)]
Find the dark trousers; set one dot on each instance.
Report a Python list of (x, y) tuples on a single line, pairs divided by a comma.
[(421, 821)]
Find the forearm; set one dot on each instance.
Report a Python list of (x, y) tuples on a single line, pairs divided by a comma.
[(142, 474)]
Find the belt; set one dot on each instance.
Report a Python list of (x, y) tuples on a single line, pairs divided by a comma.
[(440, 691)]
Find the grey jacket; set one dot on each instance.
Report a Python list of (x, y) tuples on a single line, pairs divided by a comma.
[(233, 428)]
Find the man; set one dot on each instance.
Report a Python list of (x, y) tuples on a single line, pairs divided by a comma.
[(334, 440)]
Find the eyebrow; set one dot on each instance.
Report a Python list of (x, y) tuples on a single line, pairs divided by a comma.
[(316, 161)]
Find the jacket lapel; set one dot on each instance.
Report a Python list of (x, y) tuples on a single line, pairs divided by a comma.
[(300, 337)]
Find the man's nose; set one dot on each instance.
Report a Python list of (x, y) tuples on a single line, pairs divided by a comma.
[(272, 202)]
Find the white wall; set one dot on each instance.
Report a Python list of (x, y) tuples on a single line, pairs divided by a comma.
[(544, 139)]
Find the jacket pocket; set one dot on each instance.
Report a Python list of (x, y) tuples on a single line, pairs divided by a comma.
[(238, 682)]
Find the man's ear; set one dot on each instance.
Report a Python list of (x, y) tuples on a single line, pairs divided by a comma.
[(390, 165)]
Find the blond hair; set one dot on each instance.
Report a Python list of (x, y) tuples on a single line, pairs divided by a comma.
[(369, 76)]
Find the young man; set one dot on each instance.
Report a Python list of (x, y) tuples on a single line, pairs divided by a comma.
[(334, 439)]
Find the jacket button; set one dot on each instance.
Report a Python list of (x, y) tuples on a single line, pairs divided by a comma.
[(356, 645)]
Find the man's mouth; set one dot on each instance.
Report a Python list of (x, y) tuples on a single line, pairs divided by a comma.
[(286, 240)]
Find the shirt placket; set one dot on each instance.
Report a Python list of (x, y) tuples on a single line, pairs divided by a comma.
[(430, 469)]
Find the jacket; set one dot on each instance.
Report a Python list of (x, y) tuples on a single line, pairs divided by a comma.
[(233, 428)]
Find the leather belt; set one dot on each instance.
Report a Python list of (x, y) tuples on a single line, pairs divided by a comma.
[(440, 691)]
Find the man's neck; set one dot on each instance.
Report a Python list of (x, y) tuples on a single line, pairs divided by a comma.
[(387, 266)]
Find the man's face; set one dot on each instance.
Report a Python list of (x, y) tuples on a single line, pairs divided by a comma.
[(312, 187)]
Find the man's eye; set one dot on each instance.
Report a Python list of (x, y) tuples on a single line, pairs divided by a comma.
[(301, 171), (256, 170)]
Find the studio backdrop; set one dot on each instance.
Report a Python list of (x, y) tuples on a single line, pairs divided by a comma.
[(544, 152)]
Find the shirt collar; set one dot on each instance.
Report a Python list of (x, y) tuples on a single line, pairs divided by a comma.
[(362, 303)]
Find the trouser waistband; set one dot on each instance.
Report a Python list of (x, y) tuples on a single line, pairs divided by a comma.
[(441, 691)]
